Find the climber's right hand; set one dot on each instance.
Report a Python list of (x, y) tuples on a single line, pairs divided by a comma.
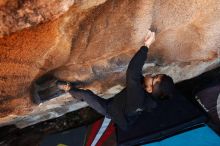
[(149, 39)]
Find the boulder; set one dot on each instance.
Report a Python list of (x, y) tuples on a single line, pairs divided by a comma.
[(93, 43)]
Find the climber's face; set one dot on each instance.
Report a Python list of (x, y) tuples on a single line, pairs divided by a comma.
[(160, 86), (151, 81)]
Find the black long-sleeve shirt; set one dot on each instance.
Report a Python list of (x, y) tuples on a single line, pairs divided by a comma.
[(137, 97), (128, 104)]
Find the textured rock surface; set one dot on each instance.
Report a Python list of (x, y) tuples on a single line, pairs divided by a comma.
[(18, 14), (93, 43)]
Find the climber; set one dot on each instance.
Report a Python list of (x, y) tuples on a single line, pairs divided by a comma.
[(140, 92)]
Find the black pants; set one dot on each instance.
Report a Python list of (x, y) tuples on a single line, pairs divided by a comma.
[(97, 103)]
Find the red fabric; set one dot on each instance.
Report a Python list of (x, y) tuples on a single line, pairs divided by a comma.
[(95, 129), (109, 131)]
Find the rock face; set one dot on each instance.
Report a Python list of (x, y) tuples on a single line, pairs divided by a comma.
[(93, 42), (18, 14)]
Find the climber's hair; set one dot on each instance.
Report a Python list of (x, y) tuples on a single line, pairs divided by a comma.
[(165, 88)]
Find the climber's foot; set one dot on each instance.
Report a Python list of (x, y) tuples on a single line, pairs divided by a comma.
[(62, 85)]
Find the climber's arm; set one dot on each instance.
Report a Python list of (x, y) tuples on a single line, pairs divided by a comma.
[(134, 71)]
